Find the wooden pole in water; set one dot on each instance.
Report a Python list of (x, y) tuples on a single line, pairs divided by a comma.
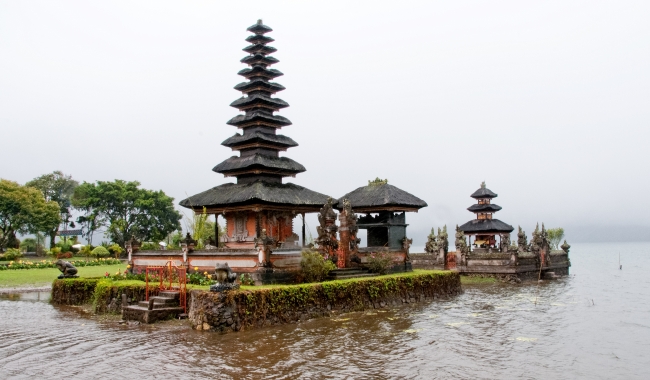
[(620, 267)]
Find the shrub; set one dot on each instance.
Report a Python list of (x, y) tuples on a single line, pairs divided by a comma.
[(380, 262), (64, 255), (100, 252), (64, 246), (246, 279), (12, 254), (314, 266), (115, 249)]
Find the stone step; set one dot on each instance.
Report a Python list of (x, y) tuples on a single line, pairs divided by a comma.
[(345, 271), (144, 315), (159, 305), (169, 294)]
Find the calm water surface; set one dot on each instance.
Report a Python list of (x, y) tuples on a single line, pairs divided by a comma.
[(594, 325)]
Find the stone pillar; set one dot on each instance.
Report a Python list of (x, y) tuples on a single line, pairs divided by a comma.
[(343, 260)]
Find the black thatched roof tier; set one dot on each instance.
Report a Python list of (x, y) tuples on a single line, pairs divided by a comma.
[(259, 101), (483, 192), (260, 49), (259, 137), (259, 59), (259, 28), (259, 71), (258, 163), (259, 39), (259, 85), (258, 192), (259, 118), (378, 197), (477, 226), (484, 208)]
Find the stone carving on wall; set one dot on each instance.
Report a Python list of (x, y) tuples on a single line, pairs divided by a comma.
[(326, 240), (240, 232), (540, 245)]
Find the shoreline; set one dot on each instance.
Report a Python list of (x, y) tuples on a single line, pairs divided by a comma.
[(26, 289)]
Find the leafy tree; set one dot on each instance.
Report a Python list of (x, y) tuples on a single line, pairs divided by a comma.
[(23, 209), (57, 187), (555, 236), (127, 210)]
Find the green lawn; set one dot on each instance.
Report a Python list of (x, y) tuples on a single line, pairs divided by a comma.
[(43, 277)]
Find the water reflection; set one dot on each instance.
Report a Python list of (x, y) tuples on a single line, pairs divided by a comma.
[(591, 325)]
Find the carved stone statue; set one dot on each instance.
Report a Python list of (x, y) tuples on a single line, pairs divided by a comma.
[(431, 246), (264, 246), (565, 247), (522, 241), (225, 278), (443, 239), (67, 269), (460, 242), (326, 240), (504, 243), (406, 245), (351, 219)]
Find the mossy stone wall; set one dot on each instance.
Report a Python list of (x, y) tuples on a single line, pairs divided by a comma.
[(247, 309)]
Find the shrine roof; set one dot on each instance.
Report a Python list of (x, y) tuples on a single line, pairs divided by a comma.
[(484, 208), (485, 225), (281, 165), (259, 49), (381, 196), (259, 99), (259, 59), (259, 39), (260, 71), (259, 117), (247, 138), (259, 28), (232, 195), (483, 192)]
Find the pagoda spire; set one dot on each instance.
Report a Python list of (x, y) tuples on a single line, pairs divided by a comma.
[(259, 144)]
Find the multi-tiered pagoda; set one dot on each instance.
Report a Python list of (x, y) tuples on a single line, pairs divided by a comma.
[(485, 227), (259, 200)]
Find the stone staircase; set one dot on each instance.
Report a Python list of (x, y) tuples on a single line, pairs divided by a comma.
[(163, 306), (343, 273)]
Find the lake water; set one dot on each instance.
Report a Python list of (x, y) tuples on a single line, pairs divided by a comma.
[(594, 324)]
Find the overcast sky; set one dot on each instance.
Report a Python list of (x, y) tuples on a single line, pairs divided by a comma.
[(548, 102)]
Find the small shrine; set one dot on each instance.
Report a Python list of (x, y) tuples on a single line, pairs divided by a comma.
[(259, 205), (385, 207), (485, 228)]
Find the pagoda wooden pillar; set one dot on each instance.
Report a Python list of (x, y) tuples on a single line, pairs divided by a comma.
[(303, 230)]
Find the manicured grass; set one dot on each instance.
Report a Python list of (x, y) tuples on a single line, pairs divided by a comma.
[(415, 272), (44, 277), (467, 280)]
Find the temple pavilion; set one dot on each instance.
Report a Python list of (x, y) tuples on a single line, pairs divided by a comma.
[(385, 208), (484, 228), (259, 200)]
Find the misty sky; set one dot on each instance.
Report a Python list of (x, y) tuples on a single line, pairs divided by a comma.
[(548, 102)]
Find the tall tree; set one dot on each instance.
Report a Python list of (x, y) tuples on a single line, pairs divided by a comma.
[(127, 210), (23, 209), (57, 187)]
